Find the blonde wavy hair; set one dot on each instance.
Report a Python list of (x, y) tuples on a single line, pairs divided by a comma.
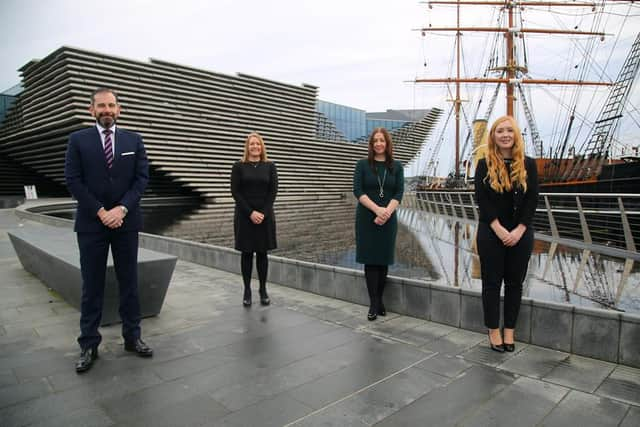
[(497, 175), (263, 152)]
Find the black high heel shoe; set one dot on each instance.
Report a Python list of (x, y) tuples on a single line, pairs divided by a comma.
[(264, 298), (246, 299), (509, 347), (499, 347), (372, 315)]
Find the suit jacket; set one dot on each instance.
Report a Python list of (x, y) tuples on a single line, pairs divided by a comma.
[(94, 185), (510, 207)]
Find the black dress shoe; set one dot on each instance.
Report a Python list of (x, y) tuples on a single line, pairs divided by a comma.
[(372, 315), (139, 347), (246, 299), (509, 347), (495, 347), (382, 311), (87, 356), (264, 298)]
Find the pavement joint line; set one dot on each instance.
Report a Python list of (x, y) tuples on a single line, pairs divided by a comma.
[(373, 333), (368, 386), (557, 405)]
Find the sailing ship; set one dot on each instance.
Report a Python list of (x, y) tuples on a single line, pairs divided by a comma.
[(599, 163)]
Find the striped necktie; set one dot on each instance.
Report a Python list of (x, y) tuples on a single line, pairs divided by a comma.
[(108, 147)]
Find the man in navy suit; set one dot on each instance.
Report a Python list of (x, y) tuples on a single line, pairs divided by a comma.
[(107, 171)]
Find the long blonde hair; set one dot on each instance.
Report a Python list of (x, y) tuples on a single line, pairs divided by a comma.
[(497, 175), (263, 152)]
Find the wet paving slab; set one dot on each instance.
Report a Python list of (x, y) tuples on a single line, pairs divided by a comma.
[(306, 360)]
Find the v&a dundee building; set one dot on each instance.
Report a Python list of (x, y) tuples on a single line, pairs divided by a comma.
[(194, 123)]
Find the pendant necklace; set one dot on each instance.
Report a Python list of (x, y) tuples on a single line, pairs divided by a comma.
[(381, 184)]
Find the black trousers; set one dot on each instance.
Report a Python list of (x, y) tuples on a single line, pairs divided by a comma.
[(499, 264), (94, 250), (246, 266), (376, 278)]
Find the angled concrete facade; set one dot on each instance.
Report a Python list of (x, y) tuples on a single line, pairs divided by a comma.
[(194, 123)]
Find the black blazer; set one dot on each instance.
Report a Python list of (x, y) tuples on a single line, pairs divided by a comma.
[(510, 207), (94, 185)]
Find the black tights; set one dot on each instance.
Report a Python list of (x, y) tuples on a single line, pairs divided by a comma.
[(376, 278), (262, 265)]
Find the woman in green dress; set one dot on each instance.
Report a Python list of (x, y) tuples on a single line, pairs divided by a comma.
[(378, 184)]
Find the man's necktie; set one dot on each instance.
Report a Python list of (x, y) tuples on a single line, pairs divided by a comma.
[(108, 148)]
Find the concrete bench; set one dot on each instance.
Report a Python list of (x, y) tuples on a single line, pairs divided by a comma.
[(51, 254)]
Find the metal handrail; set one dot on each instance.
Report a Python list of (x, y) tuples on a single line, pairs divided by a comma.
[(592, 223), (601, 222)]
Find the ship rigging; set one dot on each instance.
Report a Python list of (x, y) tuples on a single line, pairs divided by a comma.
[(565, 160)]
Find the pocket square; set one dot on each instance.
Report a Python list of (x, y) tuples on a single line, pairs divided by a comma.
[(128, 153)]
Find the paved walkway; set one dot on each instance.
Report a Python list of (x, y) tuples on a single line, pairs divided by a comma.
[(304, 361)]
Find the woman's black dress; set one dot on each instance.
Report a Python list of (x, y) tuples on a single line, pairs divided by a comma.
[(254, 186)]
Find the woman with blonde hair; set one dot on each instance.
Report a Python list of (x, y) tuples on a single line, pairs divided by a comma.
[(254, 185), (506, 190)]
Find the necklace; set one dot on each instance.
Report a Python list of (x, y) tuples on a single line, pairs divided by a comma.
[(381, 184), (254, 164)]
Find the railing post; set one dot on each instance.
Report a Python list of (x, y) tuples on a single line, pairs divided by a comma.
[(628, 237), (583, 222), (432, 205), (552, 221), (450, 203), (464, 211), (550, 255)]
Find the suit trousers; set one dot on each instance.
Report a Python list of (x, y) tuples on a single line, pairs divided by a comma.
[(94, 250), (499, 263)]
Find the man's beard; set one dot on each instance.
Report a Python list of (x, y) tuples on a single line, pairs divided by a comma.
[(106, 121)]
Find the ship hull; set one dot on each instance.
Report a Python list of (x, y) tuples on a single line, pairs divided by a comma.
[(621, 178)]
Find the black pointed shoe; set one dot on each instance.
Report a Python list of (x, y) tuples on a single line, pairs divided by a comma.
[(372, 315), (509, 347), (495, 347), (139, 347), (87, 356)]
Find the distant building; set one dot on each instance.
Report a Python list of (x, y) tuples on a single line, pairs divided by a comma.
[(7, 98), (338, 122)]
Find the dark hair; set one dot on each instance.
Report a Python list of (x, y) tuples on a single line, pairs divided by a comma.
[(388, 150), (102, 90)]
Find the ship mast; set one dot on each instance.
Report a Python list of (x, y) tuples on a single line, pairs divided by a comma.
[(511, 68), (458, 101)]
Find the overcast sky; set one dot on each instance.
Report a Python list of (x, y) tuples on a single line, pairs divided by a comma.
[(360, 53)]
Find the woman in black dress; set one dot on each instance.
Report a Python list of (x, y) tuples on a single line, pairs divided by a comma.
[(254, 185), (506, 190), (378, 184)]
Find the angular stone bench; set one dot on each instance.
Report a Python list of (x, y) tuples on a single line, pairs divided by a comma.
[(51, 254)]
